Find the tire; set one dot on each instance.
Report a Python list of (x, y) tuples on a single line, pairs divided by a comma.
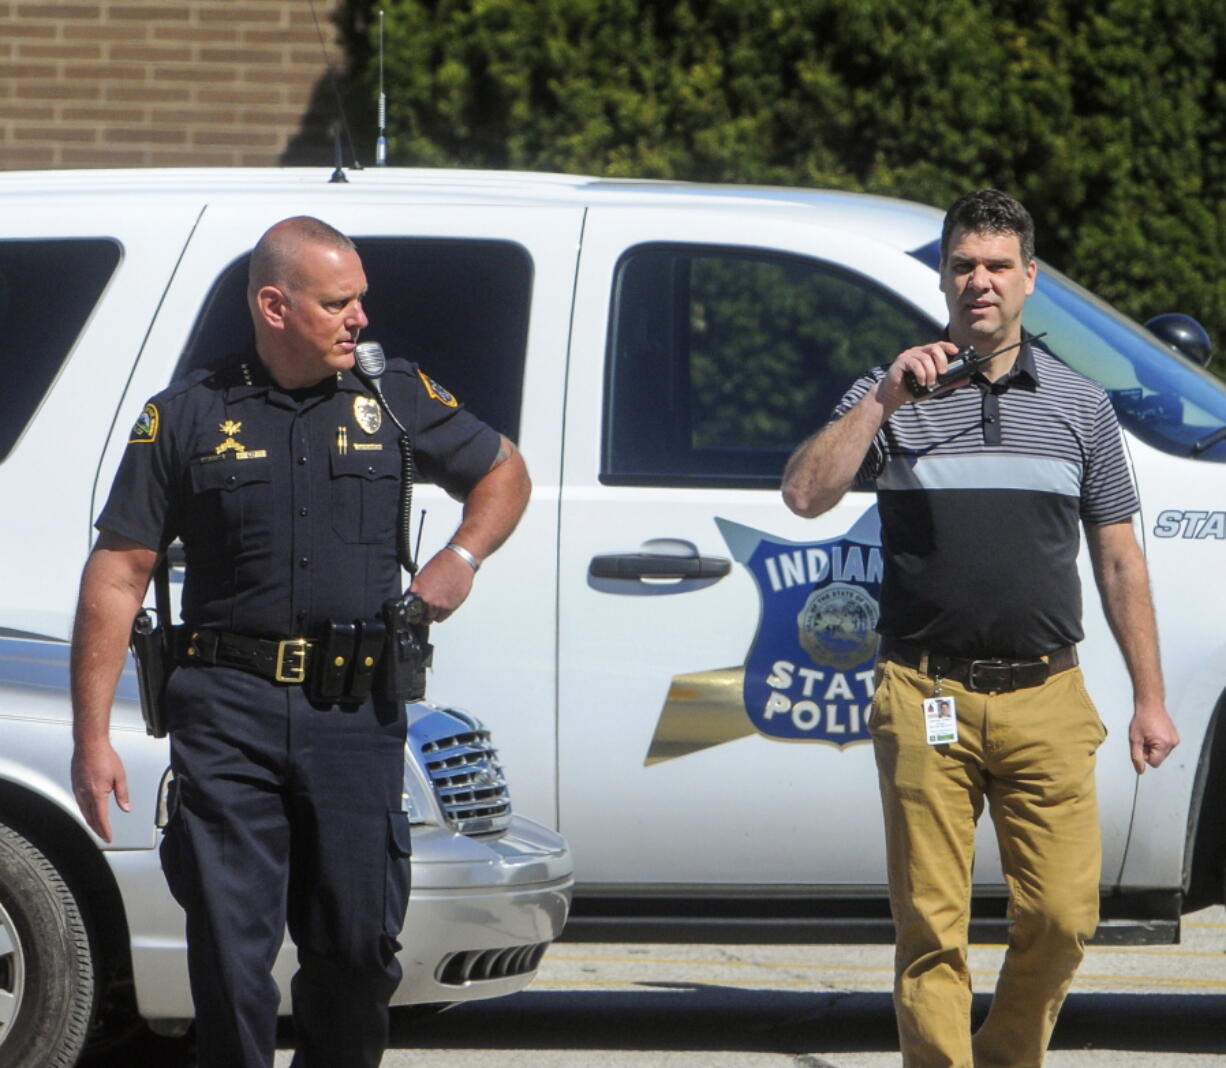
[(46, 964)]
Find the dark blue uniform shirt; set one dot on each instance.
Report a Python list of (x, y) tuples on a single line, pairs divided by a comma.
[(287, 501)]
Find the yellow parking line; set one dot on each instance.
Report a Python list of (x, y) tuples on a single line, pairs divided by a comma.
[(866, 969), (674, 986), (685, 962), (1151, 951), (1147, 980), (1093, 951)]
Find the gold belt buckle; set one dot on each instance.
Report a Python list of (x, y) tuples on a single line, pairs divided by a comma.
[(293, 650)]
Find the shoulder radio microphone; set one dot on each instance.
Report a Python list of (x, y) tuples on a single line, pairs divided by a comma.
[(369, 363), (368, 355)]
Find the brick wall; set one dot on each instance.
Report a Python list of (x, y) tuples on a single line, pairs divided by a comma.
[(166, 83)]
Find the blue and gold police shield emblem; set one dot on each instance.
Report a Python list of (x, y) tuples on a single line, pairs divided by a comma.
[(809, 672)]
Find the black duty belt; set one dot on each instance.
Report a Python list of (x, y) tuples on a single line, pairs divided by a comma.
[(284, 660), (982, 674), (339, 665)]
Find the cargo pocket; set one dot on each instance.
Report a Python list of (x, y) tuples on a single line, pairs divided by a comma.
[(365, 492), (174, 850), (399, 872)]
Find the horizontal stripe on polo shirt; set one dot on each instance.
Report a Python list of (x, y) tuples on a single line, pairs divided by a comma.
[(993, 471)]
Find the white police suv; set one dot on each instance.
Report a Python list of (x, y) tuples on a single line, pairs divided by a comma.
[(677, 670)]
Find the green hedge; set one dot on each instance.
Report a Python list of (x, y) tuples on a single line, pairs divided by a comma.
[(1106, 117)]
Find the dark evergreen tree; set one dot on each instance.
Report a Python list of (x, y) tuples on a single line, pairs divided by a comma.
[(1107, 117)]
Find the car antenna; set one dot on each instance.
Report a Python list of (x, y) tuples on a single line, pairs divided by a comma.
[(381, 120), (338, 171), (338, 175)]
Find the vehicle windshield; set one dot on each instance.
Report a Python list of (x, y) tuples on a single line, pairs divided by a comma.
[(1163, 398)]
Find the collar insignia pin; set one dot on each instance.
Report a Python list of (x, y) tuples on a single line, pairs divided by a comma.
[(229, 428)]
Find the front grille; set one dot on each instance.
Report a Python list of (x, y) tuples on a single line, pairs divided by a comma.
[(477, 964), (468, 781)]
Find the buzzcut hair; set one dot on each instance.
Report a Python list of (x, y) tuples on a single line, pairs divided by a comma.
[(989, 211), (274, 260)]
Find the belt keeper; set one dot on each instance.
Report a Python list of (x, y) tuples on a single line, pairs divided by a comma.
[(200, 645)]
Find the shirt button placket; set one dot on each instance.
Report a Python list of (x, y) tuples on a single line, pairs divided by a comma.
[(990, 411), (300, 582)]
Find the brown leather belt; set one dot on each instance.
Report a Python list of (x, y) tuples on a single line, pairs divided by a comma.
[(984, 674)]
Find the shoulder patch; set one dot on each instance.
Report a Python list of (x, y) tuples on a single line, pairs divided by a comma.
[(436, 391), (145, 429)]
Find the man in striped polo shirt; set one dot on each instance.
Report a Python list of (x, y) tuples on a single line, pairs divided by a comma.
[(982, 489)]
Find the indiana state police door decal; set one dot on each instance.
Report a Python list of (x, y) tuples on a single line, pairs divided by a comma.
[(808, 675)]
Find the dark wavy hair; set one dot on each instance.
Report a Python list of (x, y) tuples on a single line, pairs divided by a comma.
[(989, 211)]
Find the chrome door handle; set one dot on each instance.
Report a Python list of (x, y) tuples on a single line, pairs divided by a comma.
[(631, 566)]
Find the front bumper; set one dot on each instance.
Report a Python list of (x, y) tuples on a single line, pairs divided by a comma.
[(481, 912)]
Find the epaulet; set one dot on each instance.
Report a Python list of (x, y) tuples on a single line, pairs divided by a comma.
[(398, 365), (181, 385), (146, 428)]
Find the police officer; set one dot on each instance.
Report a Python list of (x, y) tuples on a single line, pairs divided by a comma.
[(280, 474), (983, 489)]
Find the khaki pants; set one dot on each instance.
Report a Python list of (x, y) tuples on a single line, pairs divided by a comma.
[(1030, 753)]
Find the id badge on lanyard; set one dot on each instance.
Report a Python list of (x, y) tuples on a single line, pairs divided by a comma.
[(940, 717)]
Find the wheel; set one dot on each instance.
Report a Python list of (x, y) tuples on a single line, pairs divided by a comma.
[(46, 966)]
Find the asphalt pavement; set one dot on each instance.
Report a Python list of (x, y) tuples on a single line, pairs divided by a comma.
[(820, 1006)]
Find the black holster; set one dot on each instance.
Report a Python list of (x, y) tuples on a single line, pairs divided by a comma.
[(153, 647), (408, 651)]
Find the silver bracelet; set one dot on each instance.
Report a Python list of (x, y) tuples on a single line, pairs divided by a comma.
[(465, 555)]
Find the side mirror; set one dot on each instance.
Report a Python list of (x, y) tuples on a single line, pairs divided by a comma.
[(1183, 334)]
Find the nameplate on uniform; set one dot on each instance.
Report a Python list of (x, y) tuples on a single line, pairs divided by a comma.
[(366, 446)]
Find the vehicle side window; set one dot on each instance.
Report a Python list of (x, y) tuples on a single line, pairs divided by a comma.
[(723, 359), (458, 308), (48, 288)]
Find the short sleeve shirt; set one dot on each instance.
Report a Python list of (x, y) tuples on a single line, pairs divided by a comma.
[(981, 492), (287, 501)]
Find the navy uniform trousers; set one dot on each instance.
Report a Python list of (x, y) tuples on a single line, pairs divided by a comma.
[(285, 812)]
